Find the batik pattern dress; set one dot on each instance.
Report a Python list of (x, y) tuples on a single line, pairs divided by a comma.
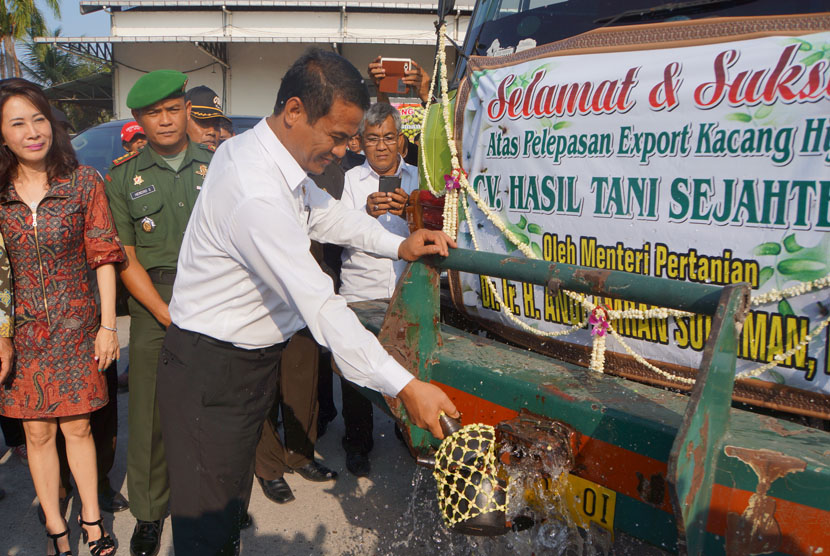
[(56, 318)]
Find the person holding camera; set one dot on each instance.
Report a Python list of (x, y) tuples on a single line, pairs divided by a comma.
[(380, 186)]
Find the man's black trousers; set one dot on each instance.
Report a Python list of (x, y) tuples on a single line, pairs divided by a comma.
[(213, 398)]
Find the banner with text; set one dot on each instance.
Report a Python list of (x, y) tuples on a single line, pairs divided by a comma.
[(709, 164)]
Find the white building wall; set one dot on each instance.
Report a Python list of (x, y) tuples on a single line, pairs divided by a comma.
[(134, 60), (167, 23), (255, 74)]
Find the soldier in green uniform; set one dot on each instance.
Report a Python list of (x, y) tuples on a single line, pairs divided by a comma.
[(151, 194)]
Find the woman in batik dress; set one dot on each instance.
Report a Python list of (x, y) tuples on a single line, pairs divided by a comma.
[(56, 222)]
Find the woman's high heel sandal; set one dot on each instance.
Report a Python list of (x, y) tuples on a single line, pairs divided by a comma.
[(55, 538), (104, 546)]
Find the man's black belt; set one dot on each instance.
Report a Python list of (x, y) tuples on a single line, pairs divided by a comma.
[(162, 276), (199, 337)]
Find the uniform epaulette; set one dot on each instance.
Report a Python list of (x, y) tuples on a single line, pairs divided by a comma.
[(125, 158), (210, 148)]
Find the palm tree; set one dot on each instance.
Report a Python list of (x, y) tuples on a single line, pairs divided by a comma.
[(17, 19)]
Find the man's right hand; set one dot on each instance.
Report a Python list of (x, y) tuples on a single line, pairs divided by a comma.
[(6, 358), (377, 204), (424, 403)]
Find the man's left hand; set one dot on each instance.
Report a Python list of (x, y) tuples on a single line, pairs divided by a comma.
[(425, 242), (397, 202)]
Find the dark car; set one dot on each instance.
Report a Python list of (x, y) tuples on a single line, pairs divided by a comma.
[(98, 146)]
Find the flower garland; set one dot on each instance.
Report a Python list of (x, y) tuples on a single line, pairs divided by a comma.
[(794, 291), (599, 320), (457, 183), (778, 359)]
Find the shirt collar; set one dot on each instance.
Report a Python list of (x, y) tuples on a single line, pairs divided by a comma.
[(149, 157), (369, 172), (292, 172)]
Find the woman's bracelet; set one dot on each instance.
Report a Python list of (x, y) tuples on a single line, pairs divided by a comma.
[(108, 328)]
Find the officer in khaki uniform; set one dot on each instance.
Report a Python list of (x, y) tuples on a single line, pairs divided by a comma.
[(151, 194)]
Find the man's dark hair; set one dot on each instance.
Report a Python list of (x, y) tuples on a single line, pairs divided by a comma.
[(317, 78)]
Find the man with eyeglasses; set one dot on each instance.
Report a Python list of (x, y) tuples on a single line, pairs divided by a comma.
[(364, 276)]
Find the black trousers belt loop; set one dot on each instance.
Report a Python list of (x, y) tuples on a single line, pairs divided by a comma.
[(162, 276)]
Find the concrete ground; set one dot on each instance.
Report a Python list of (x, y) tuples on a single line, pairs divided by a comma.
[(392, 512)]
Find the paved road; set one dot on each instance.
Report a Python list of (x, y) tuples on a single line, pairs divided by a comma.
[(393, 512)]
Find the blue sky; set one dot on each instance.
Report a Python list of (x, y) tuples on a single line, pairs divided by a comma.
[(73, 24)]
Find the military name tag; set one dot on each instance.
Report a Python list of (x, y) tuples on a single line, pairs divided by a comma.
[(147, 224), (142, 192)]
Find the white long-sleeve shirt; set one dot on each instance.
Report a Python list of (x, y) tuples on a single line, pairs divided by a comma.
[(364, 276), (245, 274)]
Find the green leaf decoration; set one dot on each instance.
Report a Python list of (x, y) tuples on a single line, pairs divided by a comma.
[(534, 228), (769, 248), (435, 154), (536, 249), (763, 112), (776, 376), (522, 223), (804, 45), (804, 270), (812, 58), (785, 308), (766, 273), (739, 117), (521, 237), (561, 125), (791, 244)]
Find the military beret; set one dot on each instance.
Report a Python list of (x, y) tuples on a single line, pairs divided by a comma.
[(204, 103), (155, 86)]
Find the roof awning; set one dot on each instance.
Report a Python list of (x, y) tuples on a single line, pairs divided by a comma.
[(92, 90), (100, 48), (88, 6)]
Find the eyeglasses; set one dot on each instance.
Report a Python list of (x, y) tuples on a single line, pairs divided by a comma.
[(373, 140)]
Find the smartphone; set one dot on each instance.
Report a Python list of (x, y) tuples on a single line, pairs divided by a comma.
[(388, 184), (395, 69)]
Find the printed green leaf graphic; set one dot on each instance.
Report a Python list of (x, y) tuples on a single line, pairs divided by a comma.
[(536, 249), (739, 117), (791, 244), (776, 376), (805, 46), (785, 308), (769, 248), (804, 270), (533, 228), (763, 112), (561, 125), (765, 274), (813, 58), (522, 222)]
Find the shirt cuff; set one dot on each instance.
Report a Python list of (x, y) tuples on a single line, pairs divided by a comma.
[(392, 378), (388, 246)]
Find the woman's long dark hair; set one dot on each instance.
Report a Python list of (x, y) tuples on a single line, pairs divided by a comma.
[(60, 160)]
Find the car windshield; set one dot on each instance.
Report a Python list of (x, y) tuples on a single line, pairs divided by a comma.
[(98, 146), (501, 27)]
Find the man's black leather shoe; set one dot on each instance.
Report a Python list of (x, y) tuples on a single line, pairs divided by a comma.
[(146, 539), (358, 464), (315, 472), (112, 501), (277, 490), (246, 522)]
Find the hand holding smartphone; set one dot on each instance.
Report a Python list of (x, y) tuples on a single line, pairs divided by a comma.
[(395, 69)]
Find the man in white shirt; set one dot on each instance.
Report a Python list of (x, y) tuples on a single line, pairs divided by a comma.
[(365, 276), (246, 282)]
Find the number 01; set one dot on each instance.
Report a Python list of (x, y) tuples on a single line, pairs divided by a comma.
[(589, 504)]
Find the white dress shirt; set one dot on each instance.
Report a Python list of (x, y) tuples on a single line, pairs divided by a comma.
[(245, 274), (364, 276)]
